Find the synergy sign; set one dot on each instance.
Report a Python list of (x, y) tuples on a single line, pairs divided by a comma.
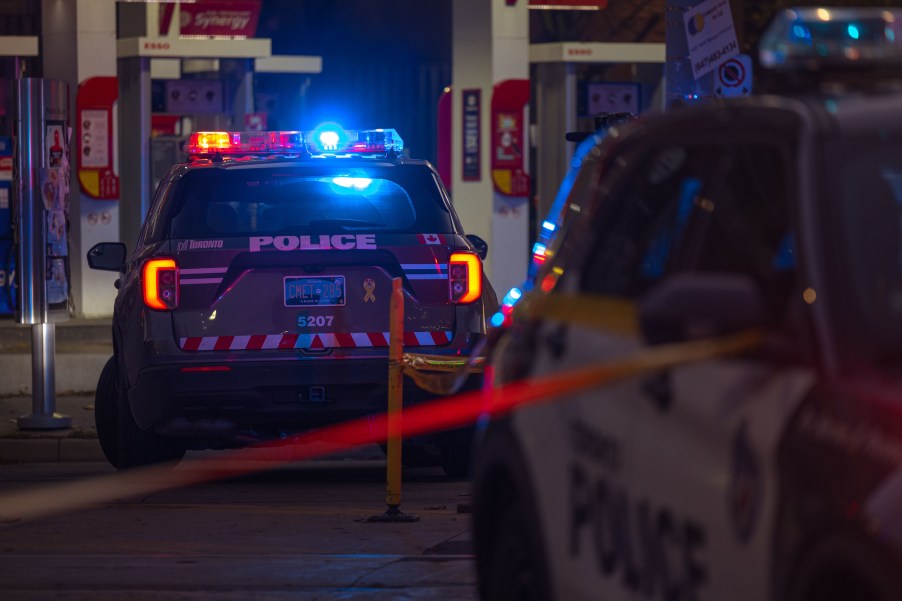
[(213, 18), (710, 35)]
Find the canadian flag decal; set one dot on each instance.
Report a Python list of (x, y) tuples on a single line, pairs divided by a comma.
[(429, 238)]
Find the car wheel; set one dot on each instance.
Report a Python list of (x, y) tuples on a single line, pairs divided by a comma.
[(511, 561), (513, 572), (845, 567), (123, 443), (457, 451)]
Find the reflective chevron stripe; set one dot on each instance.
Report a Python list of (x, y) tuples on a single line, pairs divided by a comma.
[(308, 341)]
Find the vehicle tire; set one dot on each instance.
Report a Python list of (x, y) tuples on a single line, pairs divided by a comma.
[(514, 573), (457, 452), (123, 443), (511, 561), (845, 568)]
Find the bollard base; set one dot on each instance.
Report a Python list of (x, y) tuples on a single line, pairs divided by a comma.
[(44, 421), (393, 514)]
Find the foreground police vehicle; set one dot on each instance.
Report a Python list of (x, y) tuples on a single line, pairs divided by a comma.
[(559, 210), (256, 303), (770, 475)]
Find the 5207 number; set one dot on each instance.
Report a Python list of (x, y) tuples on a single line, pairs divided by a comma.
[(309, 321)]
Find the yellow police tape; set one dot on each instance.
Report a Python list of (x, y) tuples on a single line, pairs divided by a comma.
[(600, 312), (432, 416), (440, 414), (453, 371), (614, 315)]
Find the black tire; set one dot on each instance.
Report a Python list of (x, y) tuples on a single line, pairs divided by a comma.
[(514, 573), (846, 567), (511, 562), (123, 443), (457, 452)]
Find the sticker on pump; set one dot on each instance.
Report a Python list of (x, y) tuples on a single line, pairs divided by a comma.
[(323, 242)]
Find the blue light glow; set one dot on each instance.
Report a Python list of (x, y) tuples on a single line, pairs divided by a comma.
[(515, 293), (852, 29), (328, 140), (801, 32), (548, 226), (357, 183), (539, 249), (497, 319)]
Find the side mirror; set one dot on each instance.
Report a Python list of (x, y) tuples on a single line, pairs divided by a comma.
[(481, 246), (685, 306), (108, 256)]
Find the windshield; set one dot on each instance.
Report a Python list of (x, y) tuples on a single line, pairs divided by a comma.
[(867, 277), (252, 201)]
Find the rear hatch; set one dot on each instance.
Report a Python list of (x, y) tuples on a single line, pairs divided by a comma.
[(310, 293)]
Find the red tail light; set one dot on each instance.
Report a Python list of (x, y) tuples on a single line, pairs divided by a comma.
[(464, 277), (160, 284)]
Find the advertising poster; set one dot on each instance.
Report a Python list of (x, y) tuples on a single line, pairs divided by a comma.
[(54, 142), (57, 285), (56, 234), (54, 185)]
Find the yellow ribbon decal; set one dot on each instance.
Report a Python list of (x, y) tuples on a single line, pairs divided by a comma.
[(369, 285)]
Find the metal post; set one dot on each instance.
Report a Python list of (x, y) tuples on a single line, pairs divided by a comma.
[(41, 108), (134, 146), (43, 386), (395, 407)]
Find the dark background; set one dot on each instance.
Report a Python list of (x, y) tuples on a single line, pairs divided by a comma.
[(385, 63)]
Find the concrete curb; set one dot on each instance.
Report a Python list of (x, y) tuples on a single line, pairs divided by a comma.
[(48, 450)]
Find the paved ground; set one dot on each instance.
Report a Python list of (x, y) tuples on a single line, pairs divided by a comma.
[(77, 443), (300, 533)]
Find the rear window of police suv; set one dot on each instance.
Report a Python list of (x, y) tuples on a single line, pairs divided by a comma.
[(217, 203)]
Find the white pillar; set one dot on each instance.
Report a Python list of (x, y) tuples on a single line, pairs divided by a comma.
[(79, 42), (491, 44)]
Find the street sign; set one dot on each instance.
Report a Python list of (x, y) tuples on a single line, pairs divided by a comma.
[(734, 77), (710, 35)]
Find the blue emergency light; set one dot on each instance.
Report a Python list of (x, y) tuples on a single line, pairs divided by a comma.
[(326, 140), (822, 38)]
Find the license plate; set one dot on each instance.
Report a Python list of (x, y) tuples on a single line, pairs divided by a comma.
[(320, 291)]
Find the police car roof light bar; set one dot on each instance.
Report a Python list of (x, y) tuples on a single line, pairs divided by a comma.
[(322, 142), (823, 39)]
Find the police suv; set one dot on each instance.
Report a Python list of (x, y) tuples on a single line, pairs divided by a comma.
[(770, 475), (256, 303)]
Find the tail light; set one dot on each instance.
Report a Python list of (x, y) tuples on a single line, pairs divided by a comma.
[(161, 284), (464, 277)]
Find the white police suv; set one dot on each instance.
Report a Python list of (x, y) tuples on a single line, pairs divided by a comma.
[(256, 303), (770, 475)]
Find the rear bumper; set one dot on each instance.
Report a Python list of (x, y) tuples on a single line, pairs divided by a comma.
[(261, 399)]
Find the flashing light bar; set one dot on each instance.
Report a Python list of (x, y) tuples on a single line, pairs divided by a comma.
[(321, 141), (812, 38)]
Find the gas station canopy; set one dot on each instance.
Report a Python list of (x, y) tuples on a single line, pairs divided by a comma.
[(18, 45), (601, 52), (173, 47)]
